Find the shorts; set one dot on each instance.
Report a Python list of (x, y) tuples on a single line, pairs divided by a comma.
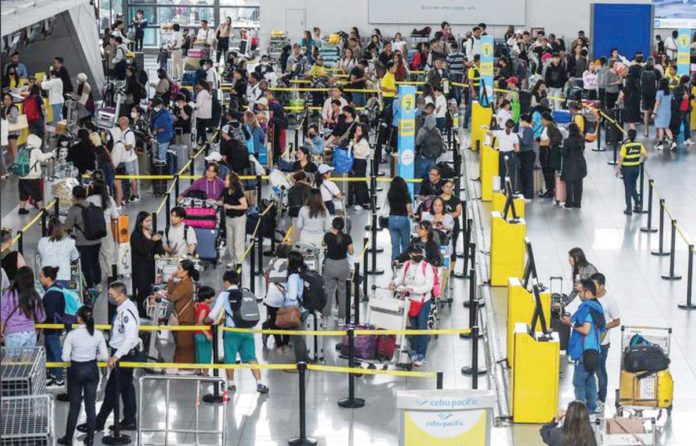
[(647, 103), (12, 137), (30, 188), (242, 343), (131, 167), (121, 169)]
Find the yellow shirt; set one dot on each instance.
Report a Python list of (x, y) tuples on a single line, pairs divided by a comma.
[(388, 82), (317, 71), (580, 122), (474, 74)]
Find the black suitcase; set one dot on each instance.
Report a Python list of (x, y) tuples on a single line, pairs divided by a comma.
[(557, 301), (159, 187), (562, 329)]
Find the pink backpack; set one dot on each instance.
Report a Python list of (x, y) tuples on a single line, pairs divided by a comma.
[(436, 284)]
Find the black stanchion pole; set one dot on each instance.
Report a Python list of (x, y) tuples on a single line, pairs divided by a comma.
[(44, 229), (466, 254), (465, 227), (351, 402), (649, 227), (115, 437), (356, 294), (364, 265), (439, 380), (20, 242), (176, 185), (303, 439), (259, 256), (472, 269), (192, 170), (374, 249), (154, 222), (471, 303), (167, 208), (252, 266), (599, 137), (56, 210), (615, 149), (641, 186), (215, 397), (259, 190), (672, 254), (349, 297), (474, 370), (111, 307), (661, 251), (689, 281), (373, 200)]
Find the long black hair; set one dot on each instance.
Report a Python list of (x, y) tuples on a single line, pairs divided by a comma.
[(398, 189), (28, 300), (85, 313), (296, 263), (98, 187), (579, 259), (142, 215), (50, 272), (338, 224), (190, 269)]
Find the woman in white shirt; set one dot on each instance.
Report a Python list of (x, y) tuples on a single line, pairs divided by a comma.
[(360, 147), (54, 86), (313, 220), (399, 44), (203, 109), (82, 348), (330, 193), (347, 62), (58, 250)]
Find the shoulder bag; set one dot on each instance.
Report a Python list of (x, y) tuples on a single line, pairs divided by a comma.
[(288, 317)]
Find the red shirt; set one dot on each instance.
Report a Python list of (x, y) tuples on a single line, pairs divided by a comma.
[(202, 310)]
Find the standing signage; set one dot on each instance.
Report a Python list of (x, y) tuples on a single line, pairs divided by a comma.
[(406, 108), (445, 417), (487, 45), (683, 51)]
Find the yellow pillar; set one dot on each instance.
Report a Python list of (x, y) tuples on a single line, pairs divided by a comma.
[(489, 170), (521, 305), (507, 249), (480, 118), (534, 377), (499, 199)]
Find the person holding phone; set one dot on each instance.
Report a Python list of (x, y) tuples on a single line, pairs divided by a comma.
[(145, 244)]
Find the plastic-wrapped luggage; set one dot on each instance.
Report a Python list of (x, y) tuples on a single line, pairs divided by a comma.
[(200, 213), (62, 189)]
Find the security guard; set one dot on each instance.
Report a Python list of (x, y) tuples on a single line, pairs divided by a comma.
[(474, 76), (631, 156), (125, 345)]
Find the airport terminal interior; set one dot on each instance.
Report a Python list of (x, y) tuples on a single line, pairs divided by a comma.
[(379, 222)]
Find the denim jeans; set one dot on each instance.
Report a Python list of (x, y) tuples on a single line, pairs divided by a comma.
[(54, 353), (467, 111), (400, 233), (630, 178), (419, 344), (15, 342), (602, 373), (57, 113), (162, 148), (686, 122), (89, 259), (585, 386), (82, 377), (359, 99)]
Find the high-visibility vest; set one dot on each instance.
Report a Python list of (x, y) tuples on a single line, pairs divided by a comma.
[(632, 154), (476, 79)]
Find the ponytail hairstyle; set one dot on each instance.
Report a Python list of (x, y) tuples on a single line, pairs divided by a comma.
[(50, 272), (190, 269), (338, 224), (85, 313)]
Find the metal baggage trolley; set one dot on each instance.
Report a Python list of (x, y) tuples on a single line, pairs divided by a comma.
[(391, 314), (660, 336), (630, 433)]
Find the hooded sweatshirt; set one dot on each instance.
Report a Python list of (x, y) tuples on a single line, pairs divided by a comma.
[(576, 344)]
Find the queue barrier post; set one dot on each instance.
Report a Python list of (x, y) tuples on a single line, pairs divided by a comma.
[(44, 229), (660, 251), (465, 226), (356, 294), (599, 147), (672, 254), (167, 209), (364, 265), (349, 301), (440, 379), (303, 439), (472, 258), (466, 254), (116, 438), (56, 209), (641, 189), (259, 254), (252, 266), (259, 190), (215, 397), (20, 242), (470, 303), (351, 402), (649, 228), (154, 222), (474, 370), (615, 150), (689, 281), (374, 249), (191, 171), (176, 185)]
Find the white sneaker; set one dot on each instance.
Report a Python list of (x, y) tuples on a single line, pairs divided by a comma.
[(419, 362), (689, 142), (658, 147), (673, 146), (357, 207), (600, 407)]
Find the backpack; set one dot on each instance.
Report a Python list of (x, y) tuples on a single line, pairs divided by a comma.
[(94, 225), (72, 304), (245, 308), (436, 280), (21, 166), (432, 145), (32, 109), (314, 295), (645, 358)]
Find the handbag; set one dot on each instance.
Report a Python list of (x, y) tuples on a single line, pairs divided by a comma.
[(174, 317), (342, 160), (21, 124), (415, 306), (288, 317)]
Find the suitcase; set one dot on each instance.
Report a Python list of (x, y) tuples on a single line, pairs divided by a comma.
[(561, 116), (562, 329), (195, 52), (159, 187), (538, 180), (182, 155), (207, 248), (315, 344), (205, 218), (172, 162), (655, 390), (119, 229), (386, 346), (559, 189), (189, 77), (364, 346)]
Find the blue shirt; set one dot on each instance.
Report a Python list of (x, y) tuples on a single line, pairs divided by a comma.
[(294, 288), (589, 311), (163, 120)]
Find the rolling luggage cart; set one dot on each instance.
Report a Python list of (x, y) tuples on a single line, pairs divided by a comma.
[(22, 372), (631, 431), (158, 343), (27, 420), (653, 391)]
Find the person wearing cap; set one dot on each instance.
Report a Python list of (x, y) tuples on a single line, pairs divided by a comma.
[(85, 100), (416, 280), (330, 193), (162, 126), (223, 168), (209, 183), (30, 184)]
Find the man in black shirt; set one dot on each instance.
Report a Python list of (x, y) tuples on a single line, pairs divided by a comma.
[(342, 132), (182, 124), (63, 74), (431, 186), (233, 151), (358, 80)]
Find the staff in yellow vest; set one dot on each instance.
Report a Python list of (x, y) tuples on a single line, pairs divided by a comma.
[(631, 156)]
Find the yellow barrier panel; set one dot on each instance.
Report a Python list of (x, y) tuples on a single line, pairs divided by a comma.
[(286, 332), (488, 171), (480, 120), (361, 371), (521, 306), (507, 249), (499, 200)]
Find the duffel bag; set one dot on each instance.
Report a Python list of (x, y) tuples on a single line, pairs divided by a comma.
[(645, 358), (364, 346)]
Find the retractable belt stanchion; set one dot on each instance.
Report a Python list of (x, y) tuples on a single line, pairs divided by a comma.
[(660, 251), (672, 253), (364, 265), (465, 225), (259, 190), (20, 242), (167, 208), (351, 402), (349, 298), (176, 185), (374, 249), (356, 294), (303, 439), (466, 254), (116, 437), (56, 210), (259, 253), (473, 301), (472, 259), (252, 266), (44, 213), (649, 227), (154, 222), (641, 189), (191, 170), (474, 370), (599, 147), (215, 397), (689, 281), (440, 379)]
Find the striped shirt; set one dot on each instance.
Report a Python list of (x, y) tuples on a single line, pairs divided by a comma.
[(455, 62)]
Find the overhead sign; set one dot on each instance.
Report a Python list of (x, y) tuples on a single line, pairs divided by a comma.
[(445, 417), (456, 12), (684, 51), (487, 45), (406, 105)]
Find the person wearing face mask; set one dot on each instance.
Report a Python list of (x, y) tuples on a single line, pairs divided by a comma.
[(162, 125), (416, 280), (85, 99), (204, 110), (124, 344), (264, 67)]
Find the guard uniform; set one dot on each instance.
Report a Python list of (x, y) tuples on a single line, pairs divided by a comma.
[(631, 154), (124, 344)]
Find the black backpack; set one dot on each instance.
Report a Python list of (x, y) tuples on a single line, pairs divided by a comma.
[(314, 295), (245, 308), (432, 145), (645, 358), (93, 223)]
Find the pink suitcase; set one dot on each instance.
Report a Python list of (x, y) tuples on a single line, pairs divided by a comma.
[(560, 190), (206, 218), (195, 52)]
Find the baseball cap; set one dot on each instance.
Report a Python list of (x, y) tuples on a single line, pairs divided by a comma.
[(323, 168), (215, 156)]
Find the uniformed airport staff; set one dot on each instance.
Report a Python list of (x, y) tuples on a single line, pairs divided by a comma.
[(83, 347), (631, 156), (125, 344)]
